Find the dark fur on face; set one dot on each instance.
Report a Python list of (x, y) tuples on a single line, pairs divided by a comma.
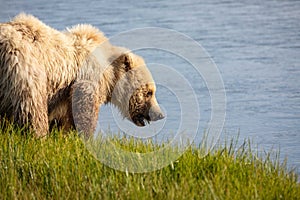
[(140, 104)]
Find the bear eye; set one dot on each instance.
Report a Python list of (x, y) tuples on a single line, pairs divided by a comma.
[(149, 93)]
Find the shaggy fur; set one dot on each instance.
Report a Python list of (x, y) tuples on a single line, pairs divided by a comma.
[(47, 76)]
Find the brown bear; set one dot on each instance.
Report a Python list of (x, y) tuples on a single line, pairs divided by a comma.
[(50, 76)]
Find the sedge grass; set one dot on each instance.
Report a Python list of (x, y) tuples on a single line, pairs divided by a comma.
[(60, 167)]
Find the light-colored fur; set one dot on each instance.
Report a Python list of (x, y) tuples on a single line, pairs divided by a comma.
[(48, 75)]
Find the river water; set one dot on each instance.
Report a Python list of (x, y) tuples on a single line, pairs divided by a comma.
[(255, 45)]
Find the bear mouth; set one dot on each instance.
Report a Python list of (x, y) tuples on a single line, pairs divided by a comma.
[(141, 120)]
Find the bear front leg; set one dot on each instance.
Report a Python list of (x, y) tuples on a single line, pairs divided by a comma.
[(85, 107)]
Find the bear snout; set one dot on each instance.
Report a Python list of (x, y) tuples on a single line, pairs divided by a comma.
[(158, 116), (155, 113)]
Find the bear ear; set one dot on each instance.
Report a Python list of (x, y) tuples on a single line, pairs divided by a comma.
[(124, 61), (127, 61)]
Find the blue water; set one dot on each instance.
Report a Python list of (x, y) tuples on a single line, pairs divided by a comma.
[(255, 44)]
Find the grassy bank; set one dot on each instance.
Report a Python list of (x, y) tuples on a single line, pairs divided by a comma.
[(60, 167)]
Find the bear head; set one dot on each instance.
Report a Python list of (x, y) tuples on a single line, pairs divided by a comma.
[(134, 91)]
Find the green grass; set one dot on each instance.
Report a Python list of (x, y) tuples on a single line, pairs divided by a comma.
[(60, 167)]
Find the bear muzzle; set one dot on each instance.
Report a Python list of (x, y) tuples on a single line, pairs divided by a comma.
[(140, 119), (153, 114)]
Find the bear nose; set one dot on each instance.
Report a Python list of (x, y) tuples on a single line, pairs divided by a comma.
[(156, 116), (160, 116), (155, 113)]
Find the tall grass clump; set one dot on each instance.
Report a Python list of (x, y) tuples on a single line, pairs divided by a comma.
[(60, 167)]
